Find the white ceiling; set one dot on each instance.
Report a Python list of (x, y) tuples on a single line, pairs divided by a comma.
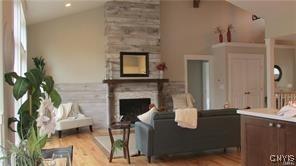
[(43, 10)]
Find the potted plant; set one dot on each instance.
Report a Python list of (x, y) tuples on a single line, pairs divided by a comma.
[(36, 119), (161, 67)]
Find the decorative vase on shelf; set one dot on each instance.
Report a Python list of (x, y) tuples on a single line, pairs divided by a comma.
[(228, 35), (219, 31), (160, 74), (220, 38), (229, 28)]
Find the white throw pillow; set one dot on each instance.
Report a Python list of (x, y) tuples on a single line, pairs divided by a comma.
[(74, 110), (179, 101), (147, 116)]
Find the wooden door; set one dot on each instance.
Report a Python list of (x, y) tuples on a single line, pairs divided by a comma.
[(246, 80), (258, 141), (287, 138)]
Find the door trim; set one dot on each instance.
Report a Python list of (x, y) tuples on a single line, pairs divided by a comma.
[(210, 60), (243, 55)]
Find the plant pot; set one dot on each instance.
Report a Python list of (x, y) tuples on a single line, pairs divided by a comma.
[(220, 38), (160, 74)]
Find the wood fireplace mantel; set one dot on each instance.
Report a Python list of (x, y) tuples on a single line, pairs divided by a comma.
[(112, 85), (120, 81)]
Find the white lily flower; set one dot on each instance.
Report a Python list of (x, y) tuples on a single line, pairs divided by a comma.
[(46, 117)]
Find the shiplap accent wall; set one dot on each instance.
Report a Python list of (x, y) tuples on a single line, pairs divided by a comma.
[(132, 26), (91, 97)]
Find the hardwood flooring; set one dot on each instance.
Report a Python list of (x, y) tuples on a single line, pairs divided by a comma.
[(87, 153)]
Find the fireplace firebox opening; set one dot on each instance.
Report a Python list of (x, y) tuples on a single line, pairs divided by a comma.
[(131, 108)]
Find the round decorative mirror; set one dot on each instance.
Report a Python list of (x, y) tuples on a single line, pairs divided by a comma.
[(277, 71)]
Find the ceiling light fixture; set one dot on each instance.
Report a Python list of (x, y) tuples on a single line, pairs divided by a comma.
[(67, 4)]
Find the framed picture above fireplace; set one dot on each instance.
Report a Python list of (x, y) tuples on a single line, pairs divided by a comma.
[(134, 64)]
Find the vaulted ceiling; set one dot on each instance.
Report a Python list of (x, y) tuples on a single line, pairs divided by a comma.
[(43, 10), (280, 16)]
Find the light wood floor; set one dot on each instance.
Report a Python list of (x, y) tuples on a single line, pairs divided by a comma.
[(87, 153)]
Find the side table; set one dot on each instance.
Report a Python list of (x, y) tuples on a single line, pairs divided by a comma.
[(125, 126)]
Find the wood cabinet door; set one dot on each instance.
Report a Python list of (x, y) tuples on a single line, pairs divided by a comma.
[(258, 141), (287, 138)]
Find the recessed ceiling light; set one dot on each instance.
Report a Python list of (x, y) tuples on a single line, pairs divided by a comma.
[(67, 4)]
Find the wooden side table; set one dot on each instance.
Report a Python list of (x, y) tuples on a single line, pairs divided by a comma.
[(125, 126)]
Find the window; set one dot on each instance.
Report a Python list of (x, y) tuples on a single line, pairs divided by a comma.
[(20, 47)]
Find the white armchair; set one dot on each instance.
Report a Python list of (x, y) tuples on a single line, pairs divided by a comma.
[(70, 117)]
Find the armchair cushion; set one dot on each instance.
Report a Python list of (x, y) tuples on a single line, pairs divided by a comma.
[(71, 123)]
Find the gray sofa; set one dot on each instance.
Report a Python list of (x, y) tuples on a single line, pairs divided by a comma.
[(216, 129)]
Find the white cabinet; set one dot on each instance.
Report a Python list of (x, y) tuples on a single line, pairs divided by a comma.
[(246, 80), (238, 75)]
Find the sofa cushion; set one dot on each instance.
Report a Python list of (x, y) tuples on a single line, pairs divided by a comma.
[(71, 123)]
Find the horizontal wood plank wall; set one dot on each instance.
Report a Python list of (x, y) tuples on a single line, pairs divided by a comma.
[(91, 98), (134, 30), (172, 88)]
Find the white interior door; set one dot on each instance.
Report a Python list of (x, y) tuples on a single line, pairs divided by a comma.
[(255, 82), (237, 81), (246, 80)]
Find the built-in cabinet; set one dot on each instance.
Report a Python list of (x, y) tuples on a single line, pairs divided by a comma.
[(261, 138), (246, 80), (238, 76)]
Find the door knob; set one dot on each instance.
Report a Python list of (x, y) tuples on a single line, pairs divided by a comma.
[(278, 125), (270, 124)]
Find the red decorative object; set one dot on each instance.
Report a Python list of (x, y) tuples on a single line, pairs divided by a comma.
[(220, 38), (219, 30), (229, 28), (161, 67)]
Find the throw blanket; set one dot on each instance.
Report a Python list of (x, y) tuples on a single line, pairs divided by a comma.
[(63, 111), (186, 117)]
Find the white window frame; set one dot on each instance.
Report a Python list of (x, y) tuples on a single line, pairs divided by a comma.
[(20, 49)]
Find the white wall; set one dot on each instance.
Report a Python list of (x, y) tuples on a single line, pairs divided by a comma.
[(188, 30), (73, 46), (285, 58), (8, 64)]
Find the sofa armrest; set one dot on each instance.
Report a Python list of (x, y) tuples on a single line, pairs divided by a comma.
[(144, 138)]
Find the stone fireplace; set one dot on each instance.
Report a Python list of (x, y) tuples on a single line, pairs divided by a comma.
[(132, 26)]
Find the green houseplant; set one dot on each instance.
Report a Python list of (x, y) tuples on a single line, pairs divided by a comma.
[(36, 116)]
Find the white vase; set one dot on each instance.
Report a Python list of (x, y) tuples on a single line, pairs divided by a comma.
[(160, 74)]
